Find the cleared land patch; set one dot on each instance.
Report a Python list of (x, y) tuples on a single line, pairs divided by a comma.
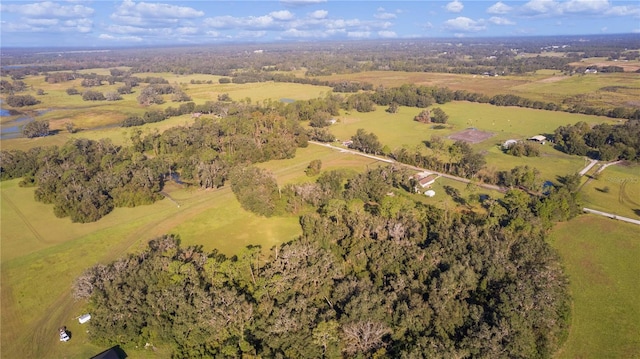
[(471, 135)]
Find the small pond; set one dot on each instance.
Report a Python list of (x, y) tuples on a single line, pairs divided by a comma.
[(13, 129)]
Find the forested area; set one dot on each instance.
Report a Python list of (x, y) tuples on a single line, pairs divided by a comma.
[(375, 274), (85, 179), (604, 142)]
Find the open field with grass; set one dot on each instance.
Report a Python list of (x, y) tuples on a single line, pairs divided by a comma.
[(42, 254), (399, 130), (593, 89), (60, 108), (543, 85), (600, 257), (616, 190)]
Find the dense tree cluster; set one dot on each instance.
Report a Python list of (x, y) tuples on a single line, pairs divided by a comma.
[(90, 95), (461, 160), (603, 141), (21, 100), (522, 148), (7, 87), (86, 179), (373, 275), (36, 129), (366, 142)]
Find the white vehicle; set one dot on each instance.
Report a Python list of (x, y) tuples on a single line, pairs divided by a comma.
[(64, 337)]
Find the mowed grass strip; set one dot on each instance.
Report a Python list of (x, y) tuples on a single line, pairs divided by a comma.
[(600, 256)]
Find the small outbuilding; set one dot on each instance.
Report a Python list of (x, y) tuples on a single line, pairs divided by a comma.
[(425, 179), (508, 143), (538, 138), (84, 318)]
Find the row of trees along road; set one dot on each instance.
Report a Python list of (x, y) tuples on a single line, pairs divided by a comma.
[(372, 275)]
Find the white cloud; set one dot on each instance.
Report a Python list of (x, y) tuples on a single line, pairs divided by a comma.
[(319, 14), (454, 6), (387, 34), (499, 8), (306, 34), (153, 14), (42, 22), (282, 15), (250, 22), (128, 29), (382, 14), (541, 7), (359, 34), (187, 30), (301, 2), (48, 9), (500, 21), (315, 25), (464, 24), (624, 11), (251, 34), (81, 25), (144, 9), (120, 38), (585, 6)]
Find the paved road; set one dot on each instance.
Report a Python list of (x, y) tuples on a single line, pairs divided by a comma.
[(611, 215), (589, 166), (388, 160)]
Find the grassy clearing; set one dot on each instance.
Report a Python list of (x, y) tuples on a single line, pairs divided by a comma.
[(399, 130), (99, 119), (617, 190), (601, 259), (475, 83), (590, 85)]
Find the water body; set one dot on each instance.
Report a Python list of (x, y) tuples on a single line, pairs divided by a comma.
[(287, 100), (13, 129)]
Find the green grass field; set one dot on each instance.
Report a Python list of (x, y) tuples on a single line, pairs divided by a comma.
[(399, 129), (617, 190), (600, 257), (40, 255)]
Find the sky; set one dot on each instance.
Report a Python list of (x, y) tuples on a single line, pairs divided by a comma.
[(102, 23)]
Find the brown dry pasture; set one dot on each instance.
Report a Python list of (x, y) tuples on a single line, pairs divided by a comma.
[(602, 89), (488, 85)]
